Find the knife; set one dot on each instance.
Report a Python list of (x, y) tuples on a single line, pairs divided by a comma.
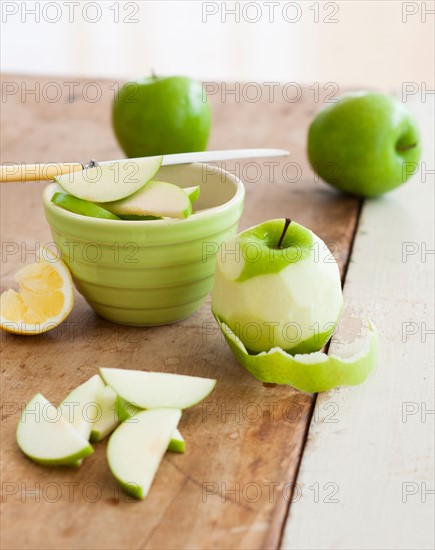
[(40, 172)]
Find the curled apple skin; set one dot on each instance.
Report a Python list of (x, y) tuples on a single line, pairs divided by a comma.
[(312, 372)]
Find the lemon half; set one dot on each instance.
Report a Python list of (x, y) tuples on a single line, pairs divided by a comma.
[(45, 297)]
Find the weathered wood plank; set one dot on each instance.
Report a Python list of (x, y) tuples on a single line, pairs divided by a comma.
[(243, 434), (376, 451)]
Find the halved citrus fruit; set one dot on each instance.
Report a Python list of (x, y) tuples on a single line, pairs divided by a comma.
[(44, 300)]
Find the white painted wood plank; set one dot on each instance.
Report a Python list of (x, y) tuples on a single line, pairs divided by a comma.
[(376, 449)]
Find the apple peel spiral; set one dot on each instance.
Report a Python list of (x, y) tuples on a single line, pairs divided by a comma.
[(311, 372)]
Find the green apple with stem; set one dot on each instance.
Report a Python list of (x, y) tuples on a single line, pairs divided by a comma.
[(277, 285), (111, 180), (161, 115), (127, 411), (107, 420), (82, 207), (365, 144), (46, 437), (157, 198), (154, 390), (135, 449)]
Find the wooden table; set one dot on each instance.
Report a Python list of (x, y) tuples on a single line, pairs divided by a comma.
[(264, 466)]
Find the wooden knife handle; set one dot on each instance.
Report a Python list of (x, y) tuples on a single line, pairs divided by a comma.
[(36, 172)]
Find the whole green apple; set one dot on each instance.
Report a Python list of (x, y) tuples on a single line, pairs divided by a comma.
[(161, 115), (277, 285), (365, 144)]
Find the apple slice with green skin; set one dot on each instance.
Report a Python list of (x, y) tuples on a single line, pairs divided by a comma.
[(193, 193), (82, 207), (155, 390), (157, 198), (110, 181), (136, 449), (108, 418), (134, 218), (81, 407), (126, 411), (177, 443), (46, 437), (312, 372)]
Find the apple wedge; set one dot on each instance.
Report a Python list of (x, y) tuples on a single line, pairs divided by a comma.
[(126, 411), (136, 449), (157, 198), (82, 207), (310, 372), (81, 407), (155, 390), (177, 443), (193, 193), (110, 181), (46, 437), (108, 418)]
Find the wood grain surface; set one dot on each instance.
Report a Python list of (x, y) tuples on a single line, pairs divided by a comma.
[(231, 488)]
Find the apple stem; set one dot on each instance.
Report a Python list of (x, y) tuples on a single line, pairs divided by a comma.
[(153, 74), (406, 147), (284, 231)]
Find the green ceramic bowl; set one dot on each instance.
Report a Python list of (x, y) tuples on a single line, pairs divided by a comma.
[(150, 272)]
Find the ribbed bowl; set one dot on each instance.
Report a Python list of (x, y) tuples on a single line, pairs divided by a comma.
[(150, 272)]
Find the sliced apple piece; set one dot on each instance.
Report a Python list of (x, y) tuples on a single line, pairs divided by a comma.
[(155, 390), (177, 443), (46, 437), (126, 411), (310, 372), (108, 418), (110, 181), (132, 217), (157, 198), (193, 193), (136, 449), (81, 407), (82, 207)]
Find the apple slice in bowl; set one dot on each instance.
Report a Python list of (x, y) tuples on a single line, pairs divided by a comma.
[(110, 181), (157, 198)]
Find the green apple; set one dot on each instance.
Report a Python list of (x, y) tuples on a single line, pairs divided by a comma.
[(193, 193), (126, 411), (312, 372), (46, 437), (110, 181), (134, 218), (107, 418), (81, 407), (82, 207), (277, 285), (161, 115), (136, 449), (157, 198), (177, 443), (365, 144), (154, 390)]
